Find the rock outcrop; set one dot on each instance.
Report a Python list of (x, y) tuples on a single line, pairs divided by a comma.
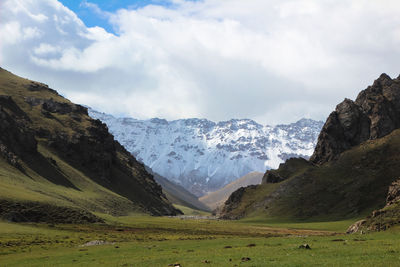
[(384, 218), (393, 195), (285, 170), (374, 114), (233, 201), (271, 177)]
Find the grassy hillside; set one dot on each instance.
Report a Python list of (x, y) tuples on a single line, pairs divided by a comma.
[(52, 152), (217, 198), (350, 187)]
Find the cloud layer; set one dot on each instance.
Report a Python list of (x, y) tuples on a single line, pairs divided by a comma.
[(269, 60)]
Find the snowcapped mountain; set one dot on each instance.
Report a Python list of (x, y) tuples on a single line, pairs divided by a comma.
[(204, 156)]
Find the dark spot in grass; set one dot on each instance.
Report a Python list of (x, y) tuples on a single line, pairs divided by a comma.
[(359, 240), (190, 250), (116, 246), (228, 247), (338, 240), (83, 249), (245, 259), (206, 261), (305, 246), (251, 245)]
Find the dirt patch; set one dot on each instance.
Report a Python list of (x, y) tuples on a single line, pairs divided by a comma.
[(97, 243)]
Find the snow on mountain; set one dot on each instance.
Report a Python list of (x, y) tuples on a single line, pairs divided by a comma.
[(204, 156)]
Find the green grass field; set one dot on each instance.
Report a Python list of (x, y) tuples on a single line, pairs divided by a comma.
[(141, 240)]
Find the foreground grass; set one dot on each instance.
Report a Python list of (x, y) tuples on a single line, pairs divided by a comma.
[(153, 241), (336, 226)]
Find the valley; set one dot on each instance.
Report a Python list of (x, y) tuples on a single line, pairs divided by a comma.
[(140, 240), (191, 133), (72, 195)]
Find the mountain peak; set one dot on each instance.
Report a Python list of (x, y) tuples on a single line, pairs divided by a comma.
[(384, 80), (159, 121)]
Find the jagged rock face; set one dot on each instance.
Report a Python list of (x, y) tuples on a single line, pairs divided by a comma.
[(393, 193), (381, 103), (15, 138), (204, 156), (374, 114)]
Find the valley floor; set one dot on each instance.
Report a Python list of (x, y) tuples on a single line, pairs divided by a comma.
[(140, 240)]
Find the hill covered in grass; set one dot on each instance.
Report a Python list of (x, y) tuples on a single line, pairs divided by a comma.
[(217, 198), (355, 161), (53, 153)]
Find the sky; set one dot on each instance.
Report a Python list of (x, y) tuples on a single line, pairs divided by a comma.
[(273, 61)]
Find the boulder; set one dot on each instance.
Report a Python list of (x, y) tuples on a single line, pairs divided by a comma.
[(355, 227), (271, 177)]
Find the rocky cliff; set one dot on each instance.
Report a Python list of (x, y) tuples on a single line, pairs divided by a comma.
[(374, 114)]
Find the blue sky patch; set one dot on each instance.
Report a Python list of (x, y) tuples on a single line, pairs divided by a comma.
[(91, 18)]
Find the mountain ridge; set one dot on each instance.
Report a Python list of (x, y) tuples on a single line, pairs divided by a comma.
[(203, 156)]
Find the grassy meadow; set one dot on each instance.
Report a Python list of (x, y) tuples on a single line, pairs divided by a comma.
[(141, 240)]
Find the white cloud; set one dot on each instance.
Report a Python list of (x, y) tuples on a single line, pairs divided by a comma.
[(274, 61), (45, 49)]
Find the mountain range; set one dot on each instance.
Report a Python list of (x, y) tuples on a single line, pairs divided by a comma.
[(204, 156)]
